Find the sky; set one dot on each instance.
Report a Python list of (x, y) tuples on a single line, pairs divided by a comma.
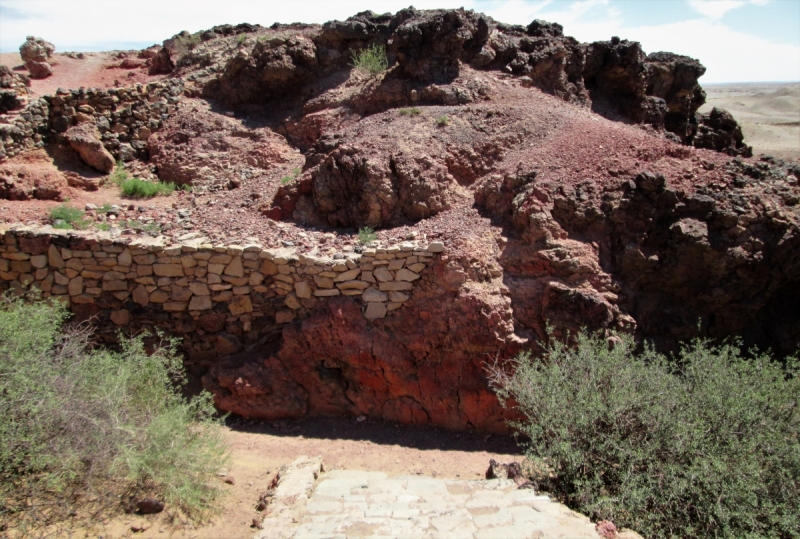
[(737, 40)]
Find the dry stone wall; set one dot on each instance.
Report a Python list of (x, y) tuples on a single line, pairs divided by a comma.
[(124, 117), (218, 298)]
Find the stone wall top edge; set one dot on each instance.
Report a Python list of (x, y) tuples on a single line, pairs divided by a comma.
[(161, 243)]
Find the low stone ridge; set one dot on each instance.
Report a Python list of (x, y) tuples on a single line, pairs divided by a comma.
[(199, 277), (123, 117)]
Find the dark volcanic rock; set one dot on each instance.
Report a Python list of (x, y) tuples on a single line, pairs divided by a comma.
[(718, 131)]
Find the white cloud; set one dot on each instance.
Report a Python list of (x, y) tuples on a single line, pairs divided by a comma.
[(715, 9)]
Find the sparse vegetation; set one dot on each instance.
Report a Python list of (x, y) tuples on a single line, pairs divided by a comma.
[(105, 208), (371, 59), (442, 121), (134, 187), (286, 179), (366, 235), (105, 227), (240, 39), (152, 226), (81, 424), (704, 445), (413, 111), (67, 217), (119, 174)]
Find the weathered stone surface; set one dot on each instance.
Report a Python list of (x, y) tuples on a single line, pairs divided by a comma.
[(353, 285), (168, 270), (84, 139), (199, 289), (302, 289), (235, 268), (200, 303), (347, 275), (323, 282), (435, 247), (141, 296), (395, 286), (120, 317), (372, 295), (324, 293), (292, 302), (382, 274), (404, 274), (240, 305), (375, 311)]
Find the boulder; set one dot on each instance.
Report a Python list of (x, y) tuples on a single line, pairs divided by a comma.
[(38, 70), (85, 140), (36, 49)]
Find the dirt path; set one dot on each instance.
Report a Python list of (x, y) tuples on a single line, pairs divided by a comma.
[(258, 450)]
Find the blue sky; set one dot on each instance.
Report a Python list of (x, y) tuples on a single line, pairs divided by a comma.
[(737, 40)]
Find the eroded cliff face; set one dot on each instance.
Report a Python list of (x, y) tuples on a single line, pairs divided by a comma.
[(573, 186)]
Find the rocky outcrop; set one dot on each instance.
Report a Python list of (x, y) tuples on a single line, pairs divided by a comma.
[(718, 131), (428, 49), (14, 90), (36, 52), (85, 139)]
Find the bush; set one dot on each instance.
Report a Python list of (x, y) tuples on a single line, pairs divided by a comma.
[(370, 60), (67, 217), (287, 179), (134, 187), (76, 420), (705, 446), (442, 121), (413, 111), (366, 235)]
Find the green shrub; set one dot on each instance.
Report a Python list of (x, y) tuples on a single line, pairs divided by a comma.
[(240, 39), (414, 111), (103, 226), (71, 216), (705, 446), (118, 175), (286, 179), (442, 121), (134, 187), (366, 235), (77, 419), (370, 60)]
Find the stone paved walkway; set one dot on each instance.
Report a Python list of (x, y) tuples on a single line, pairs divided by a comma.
[(344, 504)]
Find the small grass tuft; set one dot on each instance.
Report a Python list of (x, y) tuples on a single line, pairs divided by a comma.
[(240, 39), (118, 175), (414, 111), (442, 121), (135, 187), (366, 235), (286, 179), (370, 60), (105, 227), (66, 217)]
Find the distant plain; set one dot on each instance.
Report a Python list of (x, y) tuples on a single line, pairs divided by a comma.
[(769, 114)]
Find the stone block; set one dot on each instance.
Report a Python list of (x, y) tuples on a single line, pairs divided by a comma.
[(120, 317), (240, 305), (75, 286), (159, 296), (323, 282), (324, 293), (284, 317), (141, 296), (234, 268), (188, 261), (223, 296), (124, 258), (371, 295), (255, 279), (398, 297), (241, 290), (168, 270), (353, 285), (199, 289), (175, 306), (395, 286), (302, 289), (200, 303), (435, 247), (375, 311), (216, 269), (417, 268), (393, 305), (61, 279), (114, 286), (292, 302), (54, 257), (39, 261), (21, 266), (108, 276), (268, 267), (404, 274), (383, 274), (396, 264)]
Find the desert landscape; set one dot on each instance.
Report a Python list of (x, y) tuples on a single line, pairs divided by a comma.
[(423, 247), (768, 113)]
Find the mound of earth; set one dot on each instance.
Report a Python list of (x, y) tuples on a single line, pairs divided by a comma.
[(573, 186)]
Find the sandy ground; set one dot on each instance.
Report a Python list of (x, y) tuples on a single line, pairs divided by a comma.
[(768, 113), (258, 450), (96, 70)]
